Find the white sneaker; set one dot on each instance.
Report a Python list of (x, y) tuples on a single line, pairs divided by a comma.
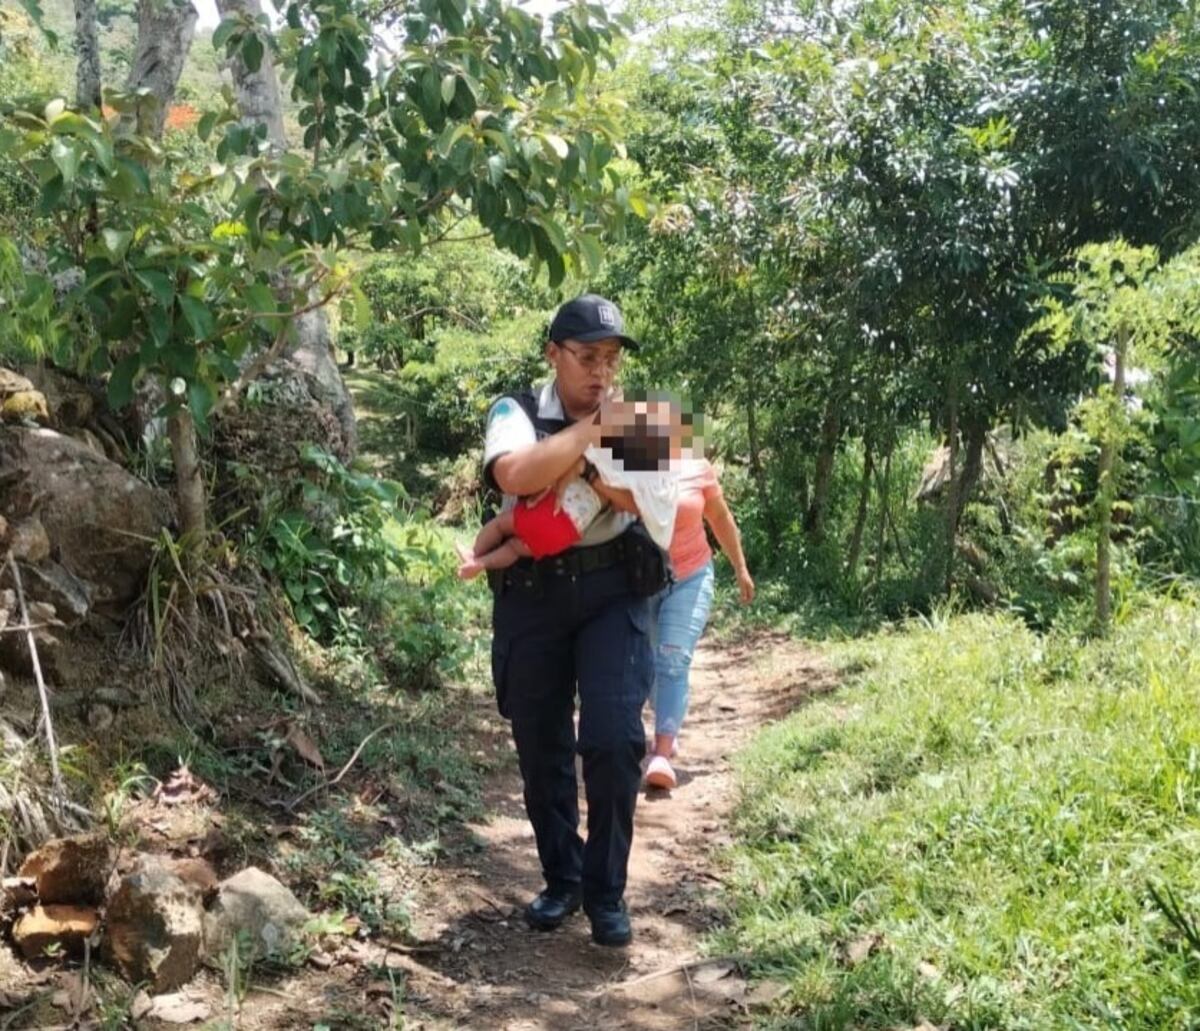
[(659, 773)]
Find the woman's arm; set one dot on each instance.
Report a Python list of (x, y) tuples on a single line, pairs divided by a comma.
[(717, 513)]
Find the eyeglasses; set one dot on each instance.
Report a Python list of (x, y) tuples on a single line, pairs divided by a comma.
[(593, 361)]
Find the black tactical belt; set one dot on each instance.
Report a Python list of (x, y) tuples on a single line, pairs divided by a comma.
[(526, 575)]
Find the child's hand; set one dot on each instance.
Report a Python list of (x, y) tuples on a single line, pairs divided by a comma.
[(560, 486)]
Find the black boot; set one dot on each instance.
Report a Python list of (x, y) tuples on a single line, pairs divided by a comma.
[(610, 924), (552, 907)]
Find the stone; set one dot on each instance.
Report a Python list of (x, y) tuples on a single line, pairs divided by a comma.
[(29, 541), (70, 870), (25, 406), (154, 928), (50, 583), (253, 902), (45, 927), (196, 872), (18, 892), (103, 522)]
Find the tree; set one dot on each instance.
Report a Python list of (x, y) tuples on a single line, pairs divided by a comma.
[(201, 278)]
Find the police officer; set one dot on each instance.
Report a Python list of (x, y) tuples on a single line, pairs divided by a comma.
[(573, 623)]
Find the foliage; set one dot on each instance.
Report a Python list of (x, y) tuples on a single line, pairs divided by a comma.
[(1000, 808), (864, 204), (326, 544), (468, 286), (183, 273)]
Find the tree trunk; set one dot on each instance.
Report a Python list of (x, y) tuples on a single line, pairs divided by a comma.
[(189, 477), (961, 488), (257, 92), (1106, 496), (831, 427), (312, 347), (864, 497), (87, 55), (165, 31), (881, 528)]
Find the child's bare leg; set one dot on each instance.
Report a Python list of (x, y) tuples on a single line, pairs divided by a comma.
[(492, 535), (498, 558)]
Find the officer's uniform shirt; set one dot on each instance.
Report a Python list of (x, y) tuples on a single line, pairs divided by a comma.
[(509, 429)]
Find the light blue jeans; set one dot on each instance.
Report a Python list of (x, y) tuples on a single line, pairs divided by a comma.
[(682, 613)]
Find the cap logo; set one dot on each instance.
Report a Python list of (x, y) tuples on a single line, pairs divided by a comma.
[(607, 315)]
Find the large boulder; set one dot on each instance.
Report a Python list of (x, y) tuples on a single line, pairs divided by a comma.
[(70, 870), (253, 902), (101, 520), (154, 927)]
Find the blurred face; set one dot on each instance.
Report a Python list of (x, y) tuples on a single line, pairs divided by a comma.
[(584, 372)]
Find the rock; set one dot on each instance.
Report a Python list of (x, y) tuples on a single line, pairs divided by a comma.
[(154, 928), (45, 927), (3, 530), (25, 406), (17, 892), (196, 872), (72, 401), (255, 902), (70, 870), (102, 521), (99, 717), (50, 583), (28, 541), (13, 383)]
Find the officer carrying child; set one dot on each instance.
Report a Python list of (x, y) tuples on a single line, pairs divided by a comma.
[(576, 622)]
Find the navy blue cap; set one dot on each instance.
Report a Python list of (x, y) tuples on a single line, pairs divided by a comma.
[(589, 318)]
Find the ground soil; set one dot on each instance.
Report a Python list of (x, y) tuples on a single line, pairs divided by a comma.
[(489, 971), (470, 962)]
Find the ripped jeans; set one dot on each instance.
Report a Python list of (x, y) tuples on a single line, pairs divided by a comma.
[(681, 612)]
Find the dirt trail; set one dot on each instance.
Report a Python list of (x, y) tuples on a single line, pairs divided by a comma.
[(490, 972)]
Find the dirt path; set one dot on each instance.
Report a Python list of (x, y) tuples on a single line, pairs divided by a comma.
[(490, 972)]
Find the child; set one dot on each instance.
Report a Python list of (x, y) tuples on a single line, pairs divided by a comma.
[(642, 457)]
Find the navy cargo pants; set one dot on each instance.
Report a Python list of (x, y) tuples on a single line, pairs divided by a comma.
[(555, 634)]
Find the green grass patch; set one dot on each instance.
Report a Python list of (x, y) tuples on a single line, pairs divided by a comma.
[(1001, 809)]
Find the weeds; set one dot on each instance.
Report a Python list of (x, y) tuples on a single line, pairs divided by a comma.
[(993, 802)]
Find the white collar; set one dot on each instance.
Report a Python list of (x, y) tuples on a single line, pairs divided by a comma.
[(549, 403)]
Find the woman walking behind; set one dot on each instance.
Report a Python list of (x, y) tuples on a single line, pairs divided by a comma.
[(683, 607)]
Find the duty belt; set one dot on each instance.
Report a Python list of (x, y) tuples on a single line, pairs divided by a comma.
[(527, 575)]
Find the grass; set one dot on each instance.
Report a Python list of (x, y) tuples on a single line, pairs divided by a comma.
[(1008, 812)]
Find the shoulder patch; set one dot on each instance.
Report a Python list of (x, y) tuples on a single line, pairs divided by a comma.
[(502, 409)]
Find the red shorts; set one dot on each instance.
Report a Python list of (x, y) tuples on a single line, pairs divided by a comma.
[(543, 531)]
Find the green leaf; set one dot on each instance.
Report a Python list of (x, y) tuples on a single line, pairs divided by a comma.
[(201, 398), (450, 136), (159, 284), (558, 145), (116, 242), (592, 252), (65, 155), (431, 94), (252, 51), (198, 316), (449, 85), (120, 383), (208, 122), (223, 32), (496, 166)]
